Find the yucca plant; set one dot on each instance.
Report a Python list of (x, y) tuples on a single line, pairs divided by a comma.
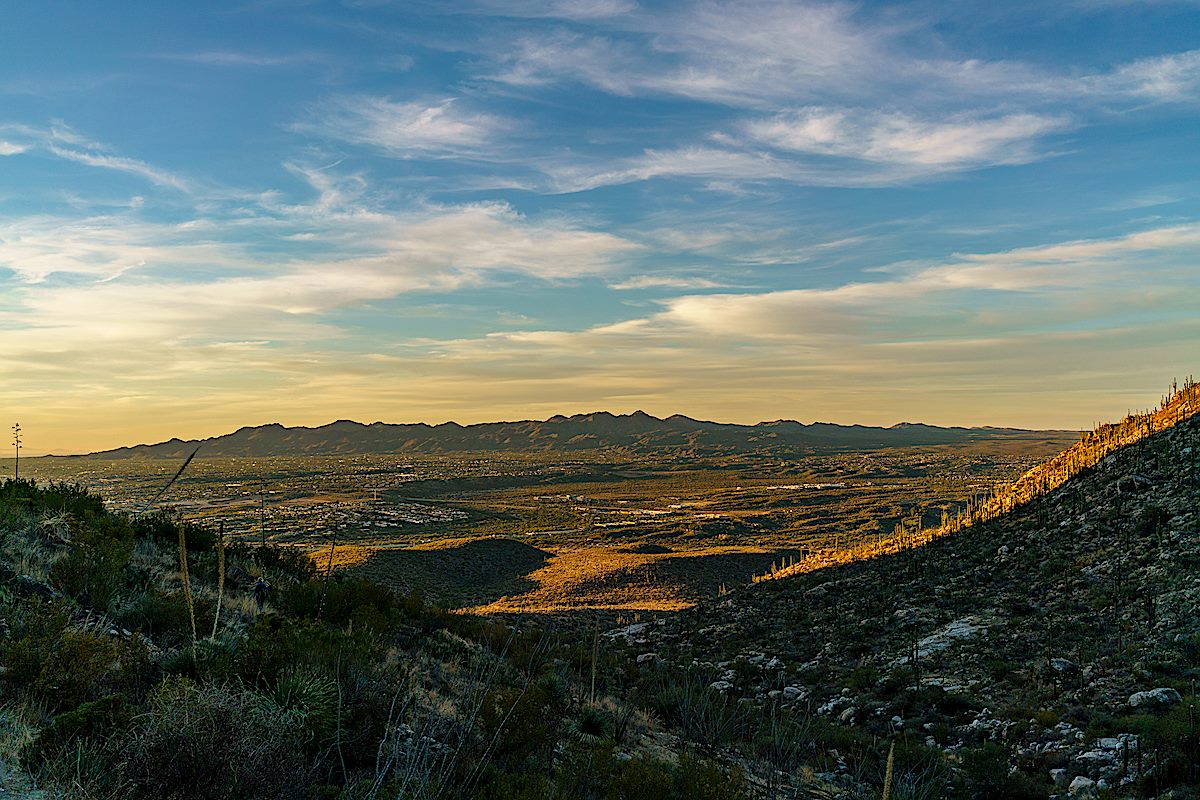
[(590, 725), (308, 699)]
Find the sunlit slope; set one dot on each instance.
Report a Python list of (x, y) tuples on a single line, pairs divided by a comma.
[(1094, 446)]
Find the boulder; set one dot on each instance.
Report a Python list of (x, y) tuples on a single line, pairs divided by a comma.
[(1155, 699), (1063, 666), (1082, 787)]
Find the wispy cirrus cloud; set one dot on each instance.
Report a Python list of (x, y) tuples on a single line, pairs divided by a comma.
[(122, 305), (131, 166), (768, 54), (738, 54), (404, 129), (62, 141), (665, 282), (237, 58), (556, 9), (897, 138), (1174, 77), (123, 275)]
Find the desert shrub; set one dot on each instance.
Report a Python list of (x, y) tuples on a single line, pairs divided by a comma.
[(276, 645), (590, 723), (642, 779), (706, 716), (523, 723), (593, 770), (1046, 719), (1190, 648), (863, 678), (340, 600), (163, 527), (782, 739), (51, 498), (290, 563), (34, 629), (703, 779), (160, 614), (498, 785), (64, 667), (1170, 741), (90, 720), (986, 774), (92, 570), (211, 743)]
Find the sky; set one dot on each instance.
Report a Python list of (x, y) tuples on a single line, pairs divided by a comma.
[(233, 213)]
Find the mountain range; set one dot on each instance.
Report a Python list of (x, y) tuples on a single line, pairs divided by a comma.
[(636, 432)]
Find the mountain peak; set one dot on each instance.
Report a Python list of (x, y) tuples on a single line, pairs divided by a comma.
[(638, 431)]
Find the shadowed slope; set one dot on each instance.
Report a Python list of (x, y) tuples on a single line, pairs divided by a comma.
[(454, 571)]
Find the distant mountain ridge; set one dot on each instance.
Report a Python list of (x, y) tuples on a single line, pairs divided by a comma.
[(636, 432)]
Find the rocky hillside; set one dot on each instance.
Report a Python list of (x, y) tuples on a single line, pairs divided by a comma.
[(1064, 636), (637, 432)]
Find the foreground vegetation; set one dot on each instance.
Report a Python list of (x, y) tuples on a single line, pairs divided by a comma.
[(113, 685)]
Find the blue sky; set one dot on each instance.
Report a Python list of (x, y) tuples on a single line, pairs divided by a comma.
[(233, 213)]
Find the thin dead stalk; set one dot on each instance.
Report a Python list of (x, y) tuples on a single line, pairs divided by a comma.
[(220, 577), (187, 585)]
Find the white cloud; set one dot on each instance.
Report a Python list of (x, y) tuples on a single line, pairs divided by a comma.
[(131, 166), (734, 53), (403, 128), (687, 162), (771, 54), (1170, 78), (897, 138), (63, 142), (103, 248), (234, 58), (577, 10), (141, 280), (664, 282)]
